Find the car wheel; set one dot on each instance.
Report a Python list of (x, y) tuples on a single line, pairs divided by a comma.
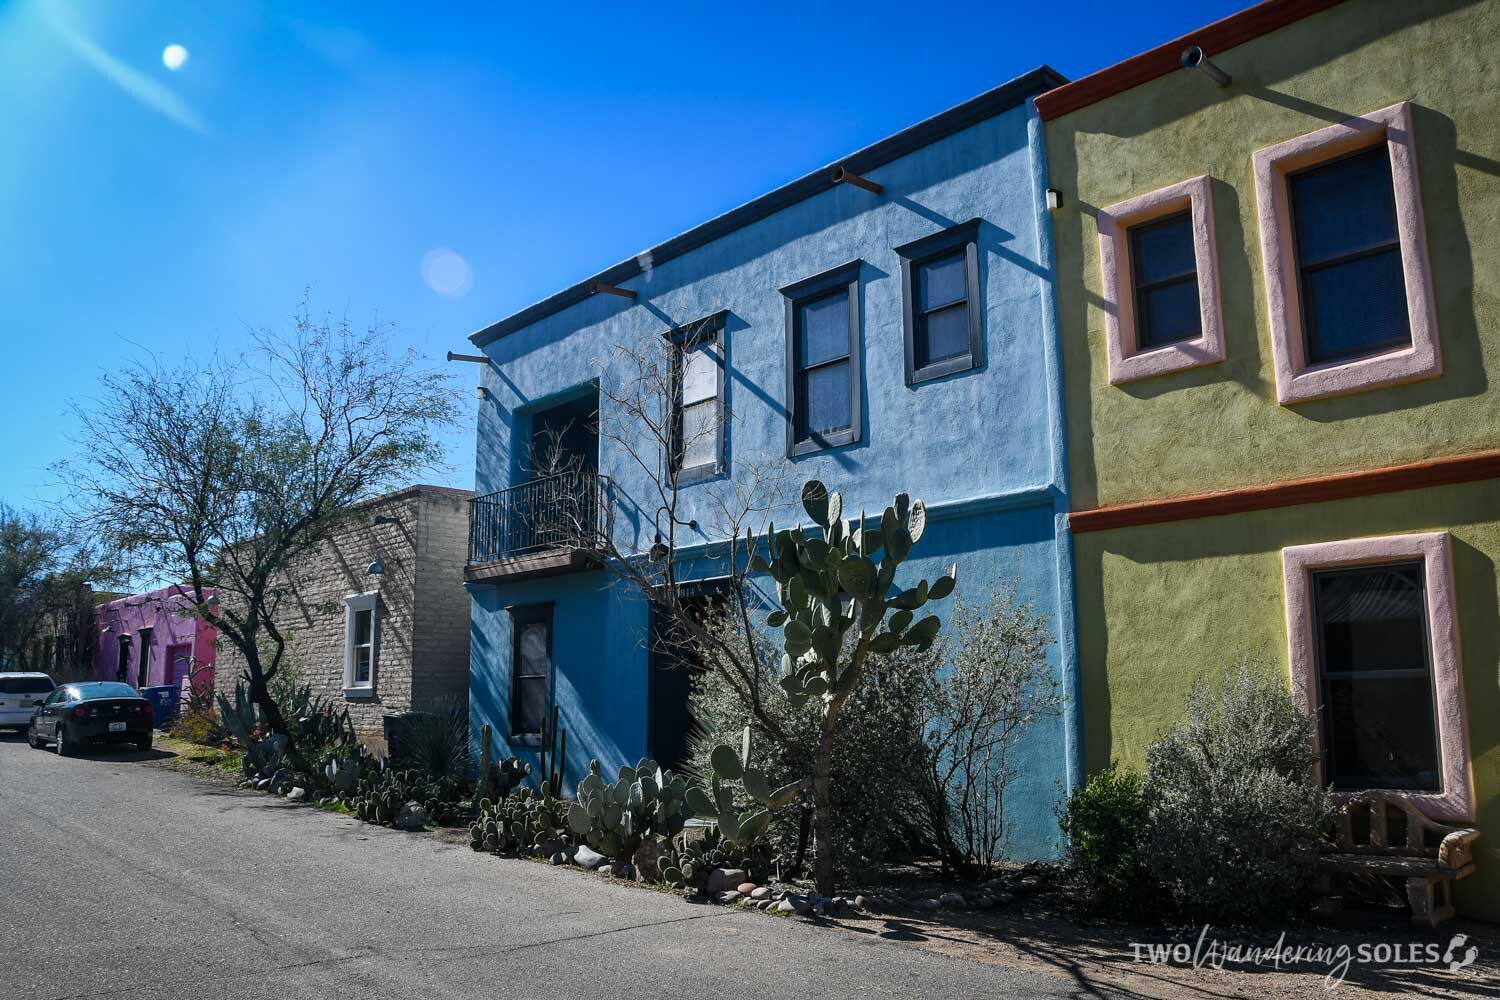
[(64, 748), (32, 737)]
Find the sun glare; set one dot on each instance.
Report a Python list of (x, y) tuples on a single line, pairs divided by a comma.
[(174, 56)]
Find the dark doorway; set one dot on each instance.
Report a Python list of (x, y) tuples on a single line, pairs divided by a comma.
[(565, 438), (143, 673), (672, 667), (122, 665)]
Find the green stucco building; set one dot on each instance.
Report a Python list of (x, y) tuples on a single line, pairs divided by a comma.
[(1279, 304)]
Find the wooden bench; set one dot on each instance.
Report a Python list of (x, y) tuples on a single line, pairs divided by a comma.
[(1383, 834)]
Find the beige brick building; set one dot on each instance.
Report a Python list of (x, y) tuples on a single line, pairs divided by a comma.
[(387, 643)]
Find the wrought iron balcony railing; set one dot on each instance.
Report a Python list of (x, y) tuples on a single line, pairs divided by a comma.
[(569, 510)]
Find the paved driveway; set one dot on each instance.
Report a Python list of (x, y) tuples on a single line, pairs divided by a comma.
[(125, 880)]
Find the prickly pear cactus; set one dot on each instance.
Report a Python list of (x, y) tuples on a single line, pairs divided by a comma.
[(643, 801)]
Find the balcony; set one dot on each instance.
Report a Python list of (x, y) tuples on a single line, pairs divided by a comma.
[(548, 526)]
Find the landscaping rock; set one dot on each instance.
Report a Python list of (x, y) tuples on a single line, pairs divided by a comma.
[(647, 860), (745, 888), (1026, 883), (927, 904), (730, 896), (952, 901), (263, 784), (587, 857), (1002, 898), (760, 892), (862, 903), (411, 817), (785, 906), (297, 794), (558, 859), (723, 879), (621, 871)]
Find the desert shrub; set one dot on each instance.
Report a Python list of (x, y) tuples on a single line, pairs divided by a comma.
[(878, 762), (1108, 825), (974, 713), (1236, 817), (199, 723), (436, 742)]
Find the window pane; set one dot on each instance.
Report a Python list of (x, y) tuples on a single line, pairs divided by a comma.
[(1356, 307), (1167, 314), (1382, 734), (361, 626), (362, 665), (824, 329), (700, 376), (532, 703), (943, 334), (944, 281), (825, 399), (700, 434), (533, 649), (1162, 249), (1372, 618), (1377, 684), (1343, 206)]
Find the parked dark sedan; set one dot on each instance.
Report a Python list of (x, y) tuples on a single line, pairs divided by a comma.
[(76, 716)]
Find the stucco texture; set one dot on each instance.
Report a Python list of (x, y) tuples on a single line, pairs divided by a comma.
[(1220, 426), (1162, 605)]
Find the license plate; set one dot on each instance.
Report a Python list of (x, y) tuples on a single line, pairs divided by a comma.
[(117, 727)]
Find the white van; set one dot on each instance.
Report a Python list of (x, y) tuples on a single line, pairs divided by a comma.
[(20, 694)]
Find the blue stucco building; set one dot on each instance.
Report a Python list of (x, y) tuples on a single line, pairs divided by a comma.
[(879, 340)]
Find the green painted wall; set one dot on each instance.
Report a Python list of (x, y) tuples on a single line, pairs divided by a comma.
[(1161, 605), (1220, 427)]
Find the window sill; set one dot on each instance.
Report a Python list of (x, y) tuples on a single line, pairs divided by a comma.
[(698, 474), (525, 739), (812, 445), (1410, 363), (949, 366), (359, 693)]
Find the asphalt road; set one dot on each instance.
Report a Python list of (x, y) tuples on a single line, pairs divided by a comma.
[(126, 880)]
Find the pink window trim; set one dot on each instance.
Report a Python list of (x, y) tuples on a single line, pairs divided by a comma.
[(1456, 801), (1296, 381), (1126, 363)]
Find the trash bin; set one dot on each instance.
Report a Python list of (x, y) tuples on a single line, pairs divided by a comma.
[(164, 699)]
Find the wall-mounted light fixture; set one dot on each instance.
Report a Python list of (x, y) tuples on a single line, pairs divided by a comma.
[(376, 567), (481, 392), (1193, 58), (1054, 199), (658, 552), (595, 287), (478, 359), (839, 175), (382, 519)]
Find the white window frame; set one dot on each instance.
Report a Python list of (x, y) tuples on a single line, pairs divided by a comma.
[(352, 604)]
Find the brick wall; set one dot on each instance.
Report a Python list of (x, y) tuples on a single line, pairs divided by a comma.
[(422, 640)]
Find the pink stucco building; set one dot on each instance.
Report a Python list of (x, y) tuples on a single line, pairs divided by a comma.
[(154, 638)]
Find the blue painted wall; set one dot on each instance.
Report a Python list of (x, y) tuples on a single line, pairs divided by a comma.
[(982, 448)]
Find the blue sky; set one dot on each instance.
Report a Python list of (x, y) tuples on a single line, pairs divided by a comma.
[(515, 150)]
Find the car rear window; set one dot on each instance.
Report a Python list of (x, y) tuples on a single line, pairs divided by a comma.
[(26, 685), (90, 692)]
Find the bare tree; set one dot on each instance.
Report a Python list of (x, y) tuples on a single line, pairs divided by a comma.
[(222, 475), (45, 569)]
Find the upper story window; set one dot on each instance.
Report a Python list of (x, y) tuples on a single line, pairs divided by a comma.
[(1161, 282), (1166, 281), (1349, 257), (530, 669), (823, 360), (1375, 658), (943, 314), (1344, 246), (698, 399), (361, 635)]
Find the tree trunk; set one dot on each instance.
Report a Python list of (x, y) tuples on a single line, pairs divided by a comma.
[(823, 811)]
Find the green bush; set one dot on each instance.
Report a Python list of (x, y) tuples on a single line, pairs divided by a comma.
[(1236, 817), (1107, 823)]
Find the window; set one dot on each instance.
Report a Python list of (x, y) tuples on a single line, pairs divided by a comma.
[(143, 663), (531, 669), (361, 643), (122, 662), (1349, 258), (822, 363), (1166, 282), (698, 388), (1344, 246), (1374, 655), (942, 316), (1161, 282)]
